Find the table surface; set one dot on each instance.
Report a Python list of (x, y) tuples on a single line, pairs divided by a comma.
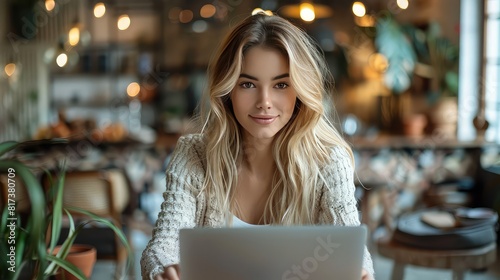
[(475, 258)]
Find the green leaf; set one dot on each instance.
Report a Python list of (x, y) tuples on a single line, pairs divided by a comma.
[(3, 221), (20, 246), (7, 146), (66, 244), (119, 233), (36, 223), (452, 82), (19, 269), (57, 212), (71, 268), (393, 44)]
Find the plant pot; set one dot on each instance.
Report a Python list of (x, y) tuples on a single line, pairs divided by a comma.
[(414, 125), (444, 117), (82, 256)]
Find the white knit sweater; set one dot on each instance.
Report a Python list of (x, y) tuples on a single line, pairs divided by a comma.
[(185, 207)]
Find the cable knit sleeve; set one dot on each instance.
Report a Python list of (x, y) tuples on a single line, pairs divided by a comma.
[(181, 208), (338, 204)]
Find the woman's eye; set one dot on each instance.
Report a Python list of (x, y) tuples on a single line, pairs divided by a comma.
[(247, 85), (281, 86)]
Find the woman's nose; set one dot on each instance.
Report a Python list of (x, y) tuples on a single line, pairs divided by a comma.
[(264, 101)]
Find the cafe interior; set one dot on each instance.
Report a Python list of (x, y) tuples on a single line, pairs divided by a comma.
[(102, 89)]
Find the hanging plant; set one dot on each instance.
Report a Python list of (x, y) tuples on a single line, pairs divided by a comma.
[(392, 42)]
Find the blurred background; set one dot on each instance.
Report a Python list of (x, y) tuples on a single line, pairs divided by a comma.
[(140, 65), (416, 92)]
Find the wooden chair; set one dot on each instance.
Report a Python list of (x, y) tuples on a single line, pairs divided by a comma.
[(20, 196), (103, 193)]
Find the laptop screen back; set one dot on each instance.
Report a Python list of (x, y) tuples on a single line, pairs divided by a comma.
[(272, 252)]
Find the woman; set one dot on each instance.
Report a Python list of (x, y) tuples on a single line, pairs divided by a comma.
[(266, 153)]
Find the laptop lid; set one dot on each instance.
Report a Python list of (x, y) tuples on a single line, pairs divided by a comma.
[(272, 252)]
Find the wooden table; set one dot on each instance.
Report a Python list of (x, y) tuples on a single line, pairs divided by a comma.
[(458, 261)]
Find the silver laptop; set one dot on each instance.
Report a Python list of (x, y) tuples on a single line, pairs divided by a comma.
[(272, 253)]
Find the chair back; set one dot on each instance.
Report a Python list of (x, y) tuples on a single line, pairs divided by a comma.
[(89, 190), (19, 194)]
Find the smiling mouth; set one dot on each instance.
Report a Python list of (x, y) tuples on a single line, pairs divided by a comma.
[(263, 120)]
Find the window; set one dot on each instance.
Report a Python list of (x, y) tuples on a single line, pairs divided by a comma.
[(492, 69)]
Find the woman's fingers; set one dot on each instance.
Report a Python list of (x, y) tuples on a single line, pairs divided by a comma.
[(365, 275), (170, 273)]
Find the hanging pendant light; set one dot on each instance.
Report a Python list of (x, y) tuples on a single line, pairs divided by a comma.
[(306, 10), (77, 35), (10, 69), (74, 35), (99, 10), (50, 5), (123, 22)]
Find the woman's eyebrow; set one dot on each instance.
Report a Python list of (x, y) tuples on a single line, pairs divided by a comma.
[(243, 75)]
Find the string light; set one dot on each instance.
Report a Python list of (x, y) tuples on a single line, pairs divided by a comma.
[(62, 60), (133, 89), (74, 36), (10, 69), (186, 16), (207, 11), (358, 9), (403, 4), (50, 5), (200, 26), (99, 10), (123, 22)]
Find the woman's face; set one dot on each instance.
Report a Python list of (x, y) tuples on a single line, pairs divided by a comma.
[(263, 99)]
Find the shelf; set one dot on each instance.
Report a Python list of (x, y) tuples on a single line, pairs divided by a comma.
[(425, 142)]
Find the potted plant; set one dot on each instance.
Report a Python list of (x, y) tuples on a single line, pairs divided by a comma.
[(438, 63), (29, 241), (393, 44)]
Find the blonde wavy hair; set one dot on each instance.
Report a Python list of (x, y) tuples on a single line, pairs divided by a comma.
[(300, 149)]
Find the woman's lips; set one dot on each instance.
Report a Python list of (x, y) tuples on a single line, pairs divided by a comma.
[(263, 119)]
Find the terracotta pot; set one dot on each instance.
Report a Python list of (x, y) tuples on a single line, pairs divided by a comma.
[(82, 256), (414, 125)]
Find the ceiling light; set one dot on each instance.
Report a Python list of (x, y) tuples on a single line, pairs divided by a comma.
[(307, 11)]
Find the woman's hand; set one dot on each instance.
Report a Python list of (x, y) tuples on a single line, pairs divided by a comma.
[(365, 275), (171, 272)]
